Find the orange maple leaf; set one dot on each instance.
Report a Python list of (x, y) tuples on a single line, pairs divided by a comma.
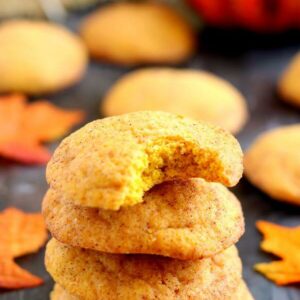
[(14, 277), (283, 242), (24, 126), (20, 233)]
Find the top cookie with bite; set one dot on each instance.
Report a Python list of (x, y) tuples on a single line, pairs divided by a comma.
[(112, 162)]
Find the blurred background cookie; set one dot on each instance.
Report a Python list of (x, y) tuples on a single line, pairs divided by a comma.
[(38, 57), (195, 94), (272, 163), (289, 83), (138, 33), (40, 8)]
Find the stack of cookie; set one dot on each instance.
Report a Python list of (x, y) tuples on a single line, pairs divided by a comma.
[(138, 210)]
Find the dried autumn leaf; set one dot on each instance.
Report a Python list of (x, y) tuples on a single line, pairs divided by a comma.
[(14, 277), (24, 232), (11, 108), (25, 152), (283, 242), (24, 126), (20, 233), (48, 122)]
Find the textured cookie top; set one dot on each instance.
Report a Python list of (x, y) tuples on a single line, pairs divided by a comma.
[(289, 83), (182, 219), (272, 163), (95, 275), (38, 57), (138, 33), (195, 94), (242, 293), (111, 162), (59, 293)]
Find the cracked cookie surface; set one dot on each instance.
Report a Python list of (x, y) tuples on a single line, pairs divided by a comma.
[(94, 275), (242, 293), (112, 162), (187, 219)]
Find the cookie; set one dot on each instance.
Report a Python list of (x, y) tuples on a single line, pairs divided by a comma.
[(95, 275), (181, 219), (195, 94), (242, 293), (111, 162), (38, 57), (138, 33), (273, 163), (60, 293), (289, 83)]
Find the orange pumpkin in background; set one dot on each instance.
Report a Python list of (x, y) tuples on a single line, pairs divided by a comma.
[(258, 15)]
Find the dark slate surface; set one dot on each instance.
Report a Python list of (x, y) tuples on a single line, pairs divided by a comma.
[(253, 64)]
